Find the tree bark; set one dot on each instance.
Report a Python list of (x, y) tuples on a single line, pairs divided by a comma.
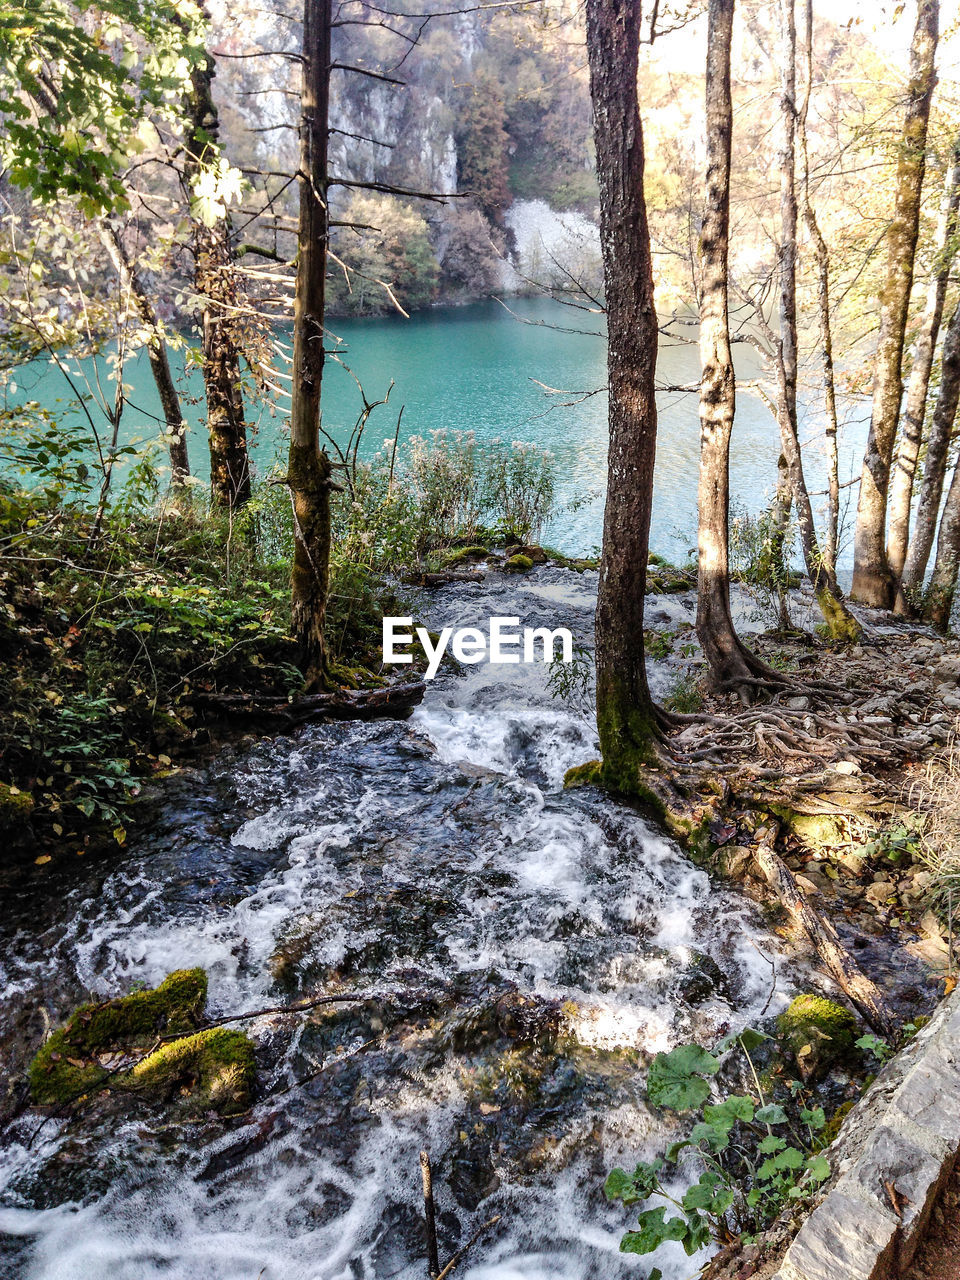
[(935, 464), (626, 715), (943, 580), (215, 282), (309, 471), (901, 488), (176, 427), (731, 665), (839, 620), (872, 580)]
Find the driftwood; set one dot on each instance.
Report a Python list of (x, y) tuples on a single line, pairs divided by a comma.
[(395, 701), (430, 1216), (859, 988), (441, 578)]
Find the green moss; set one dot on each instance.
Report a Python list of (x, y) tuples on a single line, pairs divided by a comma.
[(584, 775), (69, 1063), (817, 1032), (215, 1066), (839, 621), (518, 564), (464, 554), (15, 807), (832, 1127)]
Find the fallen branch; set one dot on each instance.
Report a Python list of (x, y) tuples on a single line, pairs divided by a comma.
[(395, 701), (858, 987)]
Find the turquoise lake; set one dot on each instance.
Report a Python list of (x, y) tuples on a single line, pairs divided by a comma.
[(478, 368)]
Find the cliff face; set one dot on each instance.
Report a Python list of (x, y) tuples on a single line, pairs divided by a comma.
[(494, 107)]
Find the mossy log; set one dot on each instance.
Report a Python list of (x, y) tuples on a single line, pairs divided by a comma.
[(392, 702)]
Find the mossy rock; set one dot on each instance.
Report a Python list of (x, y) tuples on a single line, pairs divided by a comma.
[(16, 807), (466, 555), (115, 1040), (216, 1067), (584, 775), (817, 1032), (518, 564)]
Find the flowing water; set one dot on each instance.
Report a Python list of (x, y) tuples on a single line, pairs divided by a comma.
[(520, 949)]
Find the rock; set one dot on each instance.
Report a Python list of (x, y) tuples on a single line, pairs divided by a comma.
[(852, 862), (846, 767), (807, 886), (703, 978), (949, 695), (817, 1032), (114, 1043), (735, 861), (535, 554), (879, 892), (517, 564)]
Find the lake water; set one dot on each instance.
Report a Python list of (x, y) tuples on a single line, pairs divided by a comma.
[(478, 368)]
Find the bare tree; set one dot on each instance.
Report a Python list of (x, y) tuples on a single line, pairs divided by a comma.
[(839, 620), (176, 428), (901, 487), (872, 580), (627, 718), (935, 463), (731, 663), (943, 580), (822, 261), (216, 285), (309, 470)]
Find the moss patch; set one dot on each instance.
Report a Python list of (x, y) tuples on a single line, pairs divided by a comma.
[(15, 807), (518, 564), (817, 1032), (215, 1068), (115, 1041)]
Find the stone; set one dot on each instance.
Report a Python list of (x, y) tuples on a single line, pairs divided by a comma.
[(843, 1239), (847, 767), (891, 1160)]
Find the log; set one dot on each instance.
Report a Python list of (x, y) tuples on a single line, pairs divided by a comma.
[(860, 990), (394, 702)]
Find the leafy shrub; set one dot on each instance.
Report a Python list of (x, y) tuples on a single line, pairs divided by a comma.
[(750, 1158)]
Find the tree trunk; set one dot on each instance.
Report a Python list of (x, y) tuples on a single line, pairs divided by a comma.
[(943, 581), (872, 580), (626, 715), (215, 281), (822, 260), (901, 488), (309, 471), (176, 427), (841, 623), (730, 663), (935, 465)]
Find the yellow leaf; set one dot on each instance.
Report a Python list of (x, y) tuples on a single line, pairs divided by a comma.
[(44, 857)]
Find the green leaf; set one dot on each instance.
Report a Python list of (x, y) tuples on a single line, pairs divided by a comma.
[(676, 1079), (771, 1144), (790, 1158), (818, 1168), (653, 1232), (633, 1187), (773, 1113)]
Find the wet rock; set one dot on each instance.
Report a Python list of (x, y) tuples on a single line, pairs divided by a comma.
[(703, 979), (735, 861), (817, 1032), (115, 1044)]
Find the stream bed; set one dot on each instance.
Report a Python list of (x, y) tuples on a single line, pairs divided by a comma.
[(520, 951)]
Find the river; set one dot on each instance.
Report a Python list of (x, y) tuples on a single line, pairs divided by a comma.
[(524, 948), (479, 368)]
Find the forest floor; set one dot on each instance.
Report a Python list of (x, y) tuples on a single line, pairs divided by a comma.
[(939, 1256)]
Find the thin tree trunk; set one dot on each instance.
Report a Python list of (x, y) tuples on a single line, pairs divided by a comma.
[(901, 487), (872, 580), (841, 623), (935, 464), (822, 259), (215, 281), (309, 471), (176, 427), (943, 581), (730, 663), (626, 715)]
